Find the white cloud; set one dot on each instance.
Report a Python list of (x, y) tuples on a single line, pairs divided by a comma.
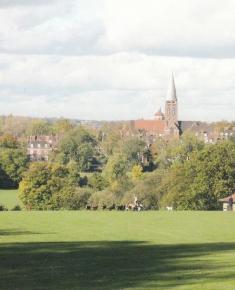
[(119, 86), (183, 27), (195, 28), (111, 59)]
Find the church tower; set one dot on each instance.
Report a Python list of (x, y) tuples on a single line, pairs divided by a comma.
[(171, 109)]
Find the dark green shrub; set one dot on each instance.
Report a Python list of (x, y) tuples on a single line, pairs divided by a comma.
[(16, 208), (3, 208)]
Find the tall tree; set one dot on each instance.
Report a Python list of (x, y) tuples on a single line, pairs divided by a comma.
[(13, 163), (80, 146), (200, 181)]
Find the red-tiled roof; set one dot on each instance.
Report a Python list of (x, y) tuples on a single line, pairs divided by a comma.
[(156, 126), (226, 199)]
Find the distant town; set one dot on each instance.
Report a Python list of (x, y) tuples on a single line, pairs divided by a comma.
[(163, 125)]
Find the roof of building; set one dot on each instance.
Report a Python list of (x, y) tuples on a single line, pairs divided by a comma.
[(159, 113), (156, 126), (226, 199), (195, 126), (45, 138)]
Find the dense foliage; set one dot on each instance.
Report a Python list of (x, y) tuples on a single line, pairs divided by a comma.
[(110, 164), (187, 175), (52, 186), (80, 146), (13, 161)]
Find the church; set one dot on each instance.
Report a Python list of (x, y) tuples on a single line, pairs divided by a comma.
[(164, 124)]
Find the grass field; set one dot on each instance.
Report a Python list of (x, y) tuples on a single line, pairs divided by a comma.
[(9, 198), (117, 250)]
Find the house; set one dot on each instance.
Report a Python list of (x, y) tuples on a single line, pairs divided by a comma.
[(40, 147), (228, 202)]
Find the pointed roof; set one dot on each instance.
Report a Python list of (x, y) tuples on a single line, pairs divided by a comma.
[(159, 112), (171, 93)]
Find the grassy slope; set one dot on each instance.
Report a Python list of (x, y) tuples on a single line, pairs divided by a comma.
[(117, 250), (9, 198)]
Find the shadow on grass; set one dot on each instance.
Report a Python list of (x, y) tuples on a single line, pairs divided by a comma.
[(15, 232), (109, 265)]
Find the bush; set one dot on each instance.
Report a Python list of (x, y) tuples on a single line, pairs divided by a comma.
[(71, 198), (147, 191), (100, 198), (79, 199), (16, 208), (3, 208), (97, 182)]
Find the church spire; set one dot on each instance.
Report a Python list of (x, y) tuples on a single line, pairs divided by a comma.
[(171, 93)]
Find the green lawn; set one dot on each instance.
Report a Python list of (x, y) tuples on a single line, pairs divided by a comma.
[(117, 250), (9, 198)]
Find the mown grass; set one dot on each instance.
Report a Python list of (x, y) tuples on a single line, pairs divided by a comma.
[(117, 250), (9, 198)]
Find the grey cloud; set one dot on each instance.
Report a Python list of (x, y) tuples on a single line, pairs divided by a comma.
[(178, 50), (13, 3), (58, 31), (76, 29)]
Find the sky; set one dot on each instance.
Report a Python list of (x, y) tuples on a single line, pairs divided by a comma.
[(112, 59)]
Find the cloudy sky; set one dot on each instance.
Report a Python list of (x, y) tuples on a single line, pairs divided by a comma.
[(112, 59)]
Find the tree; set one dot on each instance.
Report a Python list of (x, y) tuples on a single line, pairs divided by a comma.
[(147, 190), (74, 177), (35, 193), (214, 173), (137, 171), (133, 149), (13, 163), (115, 168), (42, 183), (40, 127), (51, 186), (177, 150), (80, 146), (200, 181), (97, 181), (8, 141), (110, 138), (15, 125), (103, 198), (71, 198), (62, 126)]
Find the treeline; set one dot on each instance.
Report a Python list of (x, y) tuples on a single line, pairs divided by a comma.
[(22, 127), (112, 164)]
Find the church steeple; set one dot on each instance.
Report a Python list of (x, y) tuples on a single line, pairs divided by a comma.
[(171, 92), (171, 109)]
